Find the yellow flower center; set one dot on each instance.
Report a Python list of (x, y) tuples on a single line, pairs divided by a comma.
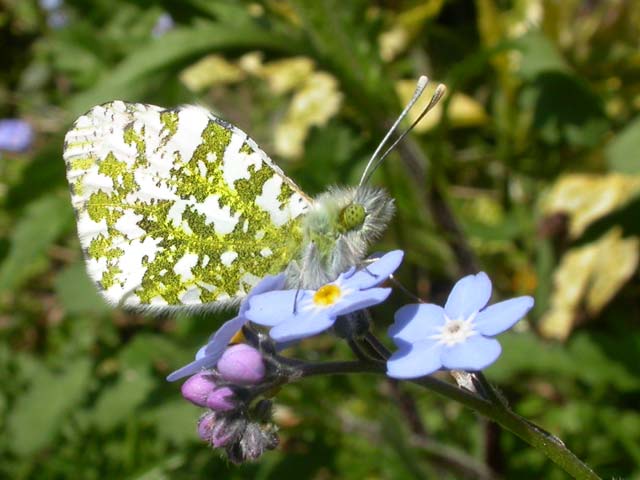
[(327, 295), (238, 337)]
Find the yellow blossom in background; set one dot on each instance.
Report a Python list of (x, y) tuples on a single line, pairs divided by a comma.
[(282, 76), (315, 99), (588, 277), (586, 198), (393, 42), (289, 140), (251, 62), (463, 111), (407, 25), (209, 71), (312, 105)]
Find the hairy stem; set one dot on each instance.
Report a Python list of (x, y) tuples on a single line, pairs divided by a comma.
[(535, 436)]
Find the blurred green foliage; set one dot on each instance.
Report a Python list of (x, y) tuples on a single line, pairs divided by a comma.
[(538, 91)]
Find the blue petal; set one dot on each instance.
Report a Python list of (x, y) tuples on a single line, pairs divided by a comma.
[(358, 300), (502, 316), (377, 272), (475, 353), (417, 322), (192, 368), (223, 336), (468, 296), (272, 308), (202, 351), (301, 326), (415, 360), (208, 356), (267, 284)]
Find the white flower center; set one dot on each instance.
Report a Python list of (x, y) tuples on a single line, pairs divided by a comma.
[(455, 331)]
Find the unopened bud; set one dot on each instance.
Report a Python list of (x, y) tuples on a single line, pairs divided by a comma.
[(221, 399), (241, 364), (263, 411), (198, 388), (227, 430), (202, 390), (255, 440), (205, 426)]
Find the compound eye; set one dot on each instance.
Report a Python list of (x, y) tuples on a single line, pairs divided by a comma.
[(352, 217)]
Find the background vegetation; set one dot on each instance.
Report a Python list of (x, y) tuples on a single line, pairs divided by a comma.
[(529, 171)]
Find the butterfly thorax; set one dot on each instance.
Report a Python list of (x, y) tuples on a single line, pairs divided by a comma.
[(338, 231)]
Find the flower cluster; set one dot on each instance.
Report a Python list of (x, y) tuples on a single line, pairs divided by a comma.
[(227, 380), (244, 433)]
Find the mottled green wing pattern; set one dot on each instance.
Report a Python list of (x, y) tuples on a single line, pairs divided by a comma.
[(177, 207)]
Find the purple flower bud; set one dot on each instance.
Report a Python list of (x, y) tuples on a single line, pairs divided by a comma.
[(221, 399), (226, 431), (198, 388), (205, 426), (241, 364), (15, 135), (255, 440)]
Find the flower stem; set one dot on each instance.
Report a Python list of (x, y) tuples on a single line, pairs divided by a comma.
[(495, 410)]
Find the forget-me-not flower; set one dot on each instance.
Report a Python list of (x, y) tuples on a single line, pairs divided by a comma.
[(208, 355), (456, 337), (15, 135), (296, 314)]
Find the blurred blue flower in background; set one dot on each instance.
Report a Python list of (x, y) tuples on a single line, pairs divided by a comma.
[(164, 23), (15, 135), (456, 337), (50, 5), (56, 16), (317, 310)]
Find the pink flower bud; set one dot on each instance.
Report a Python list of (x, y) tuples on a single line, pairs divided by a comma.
[(226, 431), (241, 364), (198, 388), (221, 399), (205, 426)]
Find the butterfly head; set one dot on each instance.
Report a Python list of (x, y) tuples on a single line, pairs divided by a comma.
[(340, 228)]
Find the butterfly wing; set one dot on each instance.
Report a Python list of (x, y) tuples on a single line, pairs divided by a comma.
[(176, 207)]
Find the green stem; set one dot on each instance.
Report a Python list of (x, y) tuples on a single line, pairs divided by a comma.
[(548, 444)]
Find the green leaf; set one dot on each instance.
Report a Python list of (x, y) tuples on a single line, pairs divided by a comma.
[(121, 401), (174, 47), (78, 293), (623, 151), (43, 222), (42, 410), (146, 349), (175, 422), (566, 110), (552, 359), (539, 55)]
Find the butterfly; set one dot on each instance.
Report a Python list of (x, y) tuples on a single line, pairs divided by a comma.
[(177, 208)]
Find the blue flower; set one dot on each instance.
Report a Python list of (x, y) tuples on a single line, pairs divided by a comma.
[(15, 135), (317, 310), (208, 355), (456, 337), (164, 24)]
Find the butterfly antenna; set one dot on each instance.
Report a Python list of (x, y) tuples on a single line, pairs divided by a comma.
[(420, 86), (437, 96)]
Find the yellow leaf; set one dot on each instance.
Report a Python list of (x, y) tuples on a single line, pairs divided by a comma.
[(588, 277), (586, 198)]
